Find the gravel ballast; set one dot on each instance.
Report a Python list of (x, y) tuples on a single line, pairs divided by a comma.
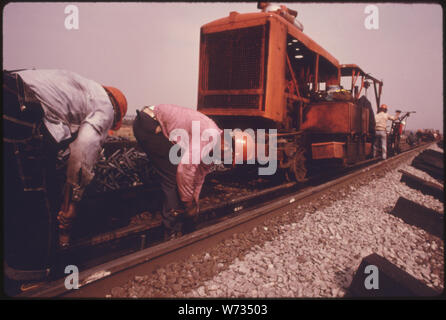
[(313, 250)]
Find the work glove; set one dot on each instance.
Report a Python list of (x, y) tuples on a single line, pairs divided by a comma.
[(65, 219), (191, 208)]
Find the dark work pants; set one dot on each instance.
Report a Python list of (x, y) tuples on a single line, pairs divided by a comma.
[(157, 147)]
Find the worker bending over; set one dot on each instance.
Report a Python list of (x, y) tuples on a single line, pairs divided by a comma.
[(46, 111), (181, 183)]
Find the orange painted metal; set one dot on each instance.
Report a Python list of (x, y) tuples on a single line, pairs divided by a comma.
[(355, 71), (347, 69), (316, 73), (368, 148), (275, 102), (261, 68), (266, 96), (232, 68), (328, 150), (236, 20), (293, 77), (335, 117)]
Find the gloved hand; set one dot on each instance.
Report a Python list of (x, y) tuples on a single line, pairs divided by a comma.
[(65, 219), (191, 208)]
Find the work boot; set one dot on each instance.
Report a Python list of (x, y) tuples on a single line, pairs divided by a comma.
[(170, 234), (64, 231), (177, 213), (64, 238)]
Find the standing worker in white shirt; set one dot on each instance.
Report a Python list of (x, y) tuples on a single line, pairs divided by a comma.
[(44, 112), (381, 133)]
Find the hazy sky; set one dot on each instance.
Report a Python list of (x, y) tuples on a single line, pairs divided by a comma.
[(150, 50)]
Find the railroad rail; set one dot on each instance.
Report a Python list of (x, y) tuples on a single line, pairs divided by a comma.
[(243, 211)]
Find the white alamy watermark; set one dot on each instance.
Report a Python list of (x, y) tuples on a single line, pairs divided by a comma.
[(371, 21), (249, 145), (72, 279), (372, 280), (72, 18)]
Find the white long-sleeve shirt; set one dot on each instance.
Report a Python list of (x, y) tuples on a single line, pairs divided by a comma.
[(381, 121), (72, 103)]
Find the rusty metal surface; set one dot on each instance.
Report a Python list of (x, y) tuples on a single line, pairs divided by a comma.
[(236, 20), (225, 52), (368, 148), (334, 117), (120, 166), (328, 150), (284, 74), (348, 69), (232, 69), (355, 71)]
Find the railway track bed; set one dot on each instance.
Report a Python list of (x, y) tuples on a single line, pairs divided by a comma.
[(140, 265)]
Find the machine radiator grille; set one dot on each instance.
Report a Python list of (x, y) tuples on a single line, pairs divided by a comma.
[(234, 58), (245, 101)]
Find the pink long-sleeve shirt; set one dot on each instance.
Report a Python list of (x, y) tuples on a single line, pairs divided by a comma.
[(190, 176)]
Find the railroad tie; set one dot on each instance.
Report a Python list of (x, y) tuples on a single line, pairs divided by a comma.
[(431, 162), (378, 277), (417, 215), (433, 158), (422, 185)]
